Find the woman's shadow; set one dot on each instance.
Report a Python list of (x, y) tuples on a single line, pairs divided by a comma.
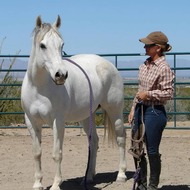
[(100, 178)]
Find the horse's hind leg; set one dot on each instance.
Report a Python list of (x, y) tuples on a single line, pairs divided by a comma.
[(116, 126), (121, 141), (93, 145), (35, 132)]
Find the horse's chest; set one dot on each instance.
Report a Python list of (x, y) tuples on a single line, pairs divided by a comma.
[(41, 108)]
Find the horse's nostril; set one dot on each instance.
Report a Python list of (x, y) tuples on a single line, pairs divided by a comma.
[(57, 75), (66, 75)]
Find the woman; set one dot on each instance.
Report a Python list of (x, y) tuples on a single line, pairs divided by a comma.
[(156, 86)]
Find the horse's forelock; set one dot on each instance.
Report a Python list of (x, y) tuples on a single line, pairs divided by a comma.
[(39, 33)]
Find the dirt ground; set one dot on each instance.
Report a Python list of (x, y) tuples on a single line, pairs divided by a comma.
[(17, 164)]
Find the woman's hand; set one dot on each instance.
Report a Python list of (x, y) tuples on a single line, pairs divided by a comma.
[(142, 96), (131, 116)]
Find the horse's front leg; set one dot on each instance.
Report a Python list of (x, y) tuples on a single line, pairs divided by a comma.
[(58, 133), (35, 132)]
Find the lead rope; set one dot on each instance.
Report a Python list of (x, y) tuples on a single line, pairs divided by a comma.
[(90, 123), (136, 176)]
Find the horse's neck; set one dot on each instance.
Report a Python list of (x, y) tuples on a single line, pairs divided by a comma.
[(36, 74)]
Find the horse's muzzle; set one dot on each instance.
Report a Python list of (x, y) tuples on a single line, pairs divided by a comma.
[(60, 77)]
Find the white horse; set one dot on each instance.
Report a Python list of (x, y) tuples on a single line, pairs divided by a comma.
[(55, 91)]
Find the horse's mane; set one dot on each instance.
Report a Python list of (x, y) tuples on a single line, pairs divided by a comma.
[(39, 32)]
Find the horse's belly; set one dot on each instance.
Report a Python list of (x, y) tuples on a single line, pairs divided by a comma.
[(79, 115)]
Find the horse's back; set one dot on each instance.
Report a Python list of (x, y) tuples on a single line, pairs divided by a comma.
[(104, 69), (91, 60)]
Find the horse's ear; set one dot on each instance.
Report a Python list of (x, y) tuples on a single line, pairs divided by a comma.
[(39, 22), (57, 23)]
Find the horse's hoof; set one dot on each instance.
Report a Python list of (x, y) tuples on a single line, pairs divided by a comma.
[(55, 188), (38, 187), (121, 179)]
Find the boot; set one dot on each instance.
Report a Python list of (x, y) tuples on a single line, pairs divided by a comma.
[(155, 170), (142, 184)]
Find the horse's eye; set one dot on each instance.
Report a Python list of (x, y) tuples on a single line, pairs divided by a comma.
[(42, 46)]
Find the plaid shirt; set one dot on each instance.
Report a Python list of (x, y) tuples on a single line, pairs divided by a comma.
[(158, 80)]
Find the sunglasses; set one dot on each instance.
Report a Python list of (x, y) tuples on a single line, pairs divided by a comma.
[(149, 45)]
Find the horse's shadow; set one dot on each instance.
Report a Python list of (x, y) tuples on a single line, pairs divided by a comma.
[(100, 178), (107, 178), (175, 187)]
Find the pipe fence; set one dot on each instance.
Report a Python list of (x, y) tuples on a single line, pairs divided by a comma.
[(178, 109)]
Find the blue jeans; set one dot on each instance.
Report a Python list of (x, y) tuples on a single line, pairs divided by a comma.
[(155, 120)]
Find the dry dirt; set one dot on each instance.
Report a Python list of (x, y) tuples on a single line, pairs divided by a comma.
[(17, 164)]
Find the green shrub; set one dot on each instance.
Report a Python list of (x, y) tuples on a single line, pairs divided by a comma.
[(9, 92)]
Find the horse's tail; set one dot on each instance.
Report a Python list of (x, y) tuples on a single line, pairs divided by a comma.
[(109, 128)]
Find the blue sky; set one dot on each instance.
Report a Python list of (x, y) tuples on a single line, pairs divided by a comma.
[(98, 26)]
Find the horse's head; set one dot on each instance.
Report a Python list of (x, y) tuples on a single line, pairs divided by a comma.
[(47, 48)]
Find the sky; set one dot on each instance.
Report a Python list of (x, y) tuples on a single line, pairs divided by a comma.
[(96, 26)]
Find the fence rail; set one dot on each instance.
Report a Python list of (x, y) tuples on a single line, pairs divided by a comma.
[(122, 63)]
